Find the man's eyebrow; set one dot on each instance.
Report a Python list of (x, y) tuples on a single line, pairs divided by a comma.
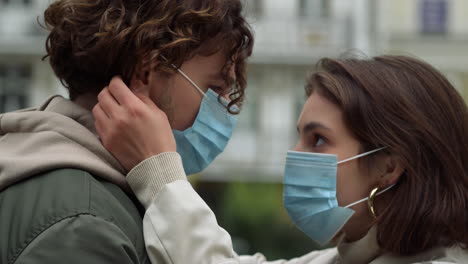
[(311, 126), (219, 76)]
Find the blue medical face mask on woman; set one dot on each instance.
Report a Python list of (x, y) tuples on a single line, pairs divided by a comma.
[(309, 194), (201, 143)]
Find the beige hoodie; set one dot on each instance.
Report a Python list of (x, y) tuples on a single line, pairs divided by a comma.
[(58, 134), (180, 228)]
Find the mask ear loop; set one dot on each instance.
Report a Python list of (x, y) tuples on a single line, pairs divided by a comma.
[(368, 198), (190, 81), (374, 191), (186, 77), (361, 155)]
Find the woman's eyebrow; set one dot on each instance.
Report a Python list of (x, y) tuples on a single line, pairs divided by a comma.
[(311, 126)]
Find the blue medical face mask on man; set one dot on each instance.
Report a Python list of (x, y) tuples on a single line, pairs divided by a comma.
[(201, 143), (309, 194)]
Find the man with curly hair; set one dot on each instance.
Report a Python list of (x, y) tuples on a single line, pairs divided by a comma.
[(63, 197)]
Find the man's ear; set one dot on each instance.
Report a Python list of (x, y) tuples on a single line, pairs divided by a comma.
[(140, 80), (392, 171)]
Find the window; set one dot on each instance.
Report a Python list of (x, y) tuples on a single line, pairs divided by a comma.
[(16, 2), (314, 8), (14, 83), (434, 16)]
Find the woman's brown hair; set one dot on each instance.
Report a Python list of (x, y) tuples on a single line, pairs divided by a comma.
[(90, 41), (409, 107)]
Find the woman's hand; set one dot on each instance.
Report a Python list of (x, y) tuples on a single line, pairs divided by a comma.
[(130, 125)]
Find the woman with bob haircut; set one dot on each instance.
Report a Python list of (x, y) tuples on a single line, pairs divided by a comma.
[(380, 169)]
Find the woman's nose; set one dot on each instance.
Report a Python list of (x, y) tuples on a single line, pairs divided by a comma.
[(298, 146)]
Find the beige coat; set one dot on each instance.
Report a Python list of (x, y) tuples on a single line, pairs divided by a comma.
[(180, 228)]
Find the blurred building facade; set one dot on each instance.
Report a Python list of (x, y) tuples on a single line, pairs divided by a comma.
[(25, 80), (292, 35), (433, 30), (290, 38)]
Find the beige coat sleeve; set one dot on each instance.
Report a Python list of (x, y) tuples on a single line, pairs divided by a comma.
[(180, 228)]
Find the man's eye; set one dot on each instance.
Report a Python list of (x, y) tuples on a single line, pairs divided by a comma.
[(216, 88)]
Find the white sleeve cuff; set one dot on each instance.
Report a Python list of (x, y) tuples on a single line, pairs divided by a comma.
[(151, 175)]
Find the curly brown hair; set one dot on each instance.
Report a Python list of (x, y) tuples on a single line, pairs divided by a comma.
[(90, 41)]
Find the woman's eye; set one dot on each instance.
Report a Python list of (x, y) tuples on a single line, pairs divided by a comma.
[(320, 141)]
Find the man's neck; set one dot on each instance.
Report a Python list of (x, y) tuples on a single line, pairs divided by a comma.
[(87, 101)]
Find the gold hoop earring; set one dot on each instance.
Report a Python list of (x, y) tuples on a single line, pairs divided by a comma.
[(370, 201)]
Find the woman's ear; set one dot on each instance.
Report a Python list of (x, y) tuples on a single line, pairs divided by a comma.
[(392, 171)]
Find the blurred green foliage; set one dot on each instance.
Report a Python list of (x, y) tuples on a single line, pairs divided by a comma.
[(254, 215)]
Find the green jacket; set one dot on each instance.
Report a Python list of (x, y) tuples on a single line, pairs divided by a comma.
[(69, 216), (63, 197)]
